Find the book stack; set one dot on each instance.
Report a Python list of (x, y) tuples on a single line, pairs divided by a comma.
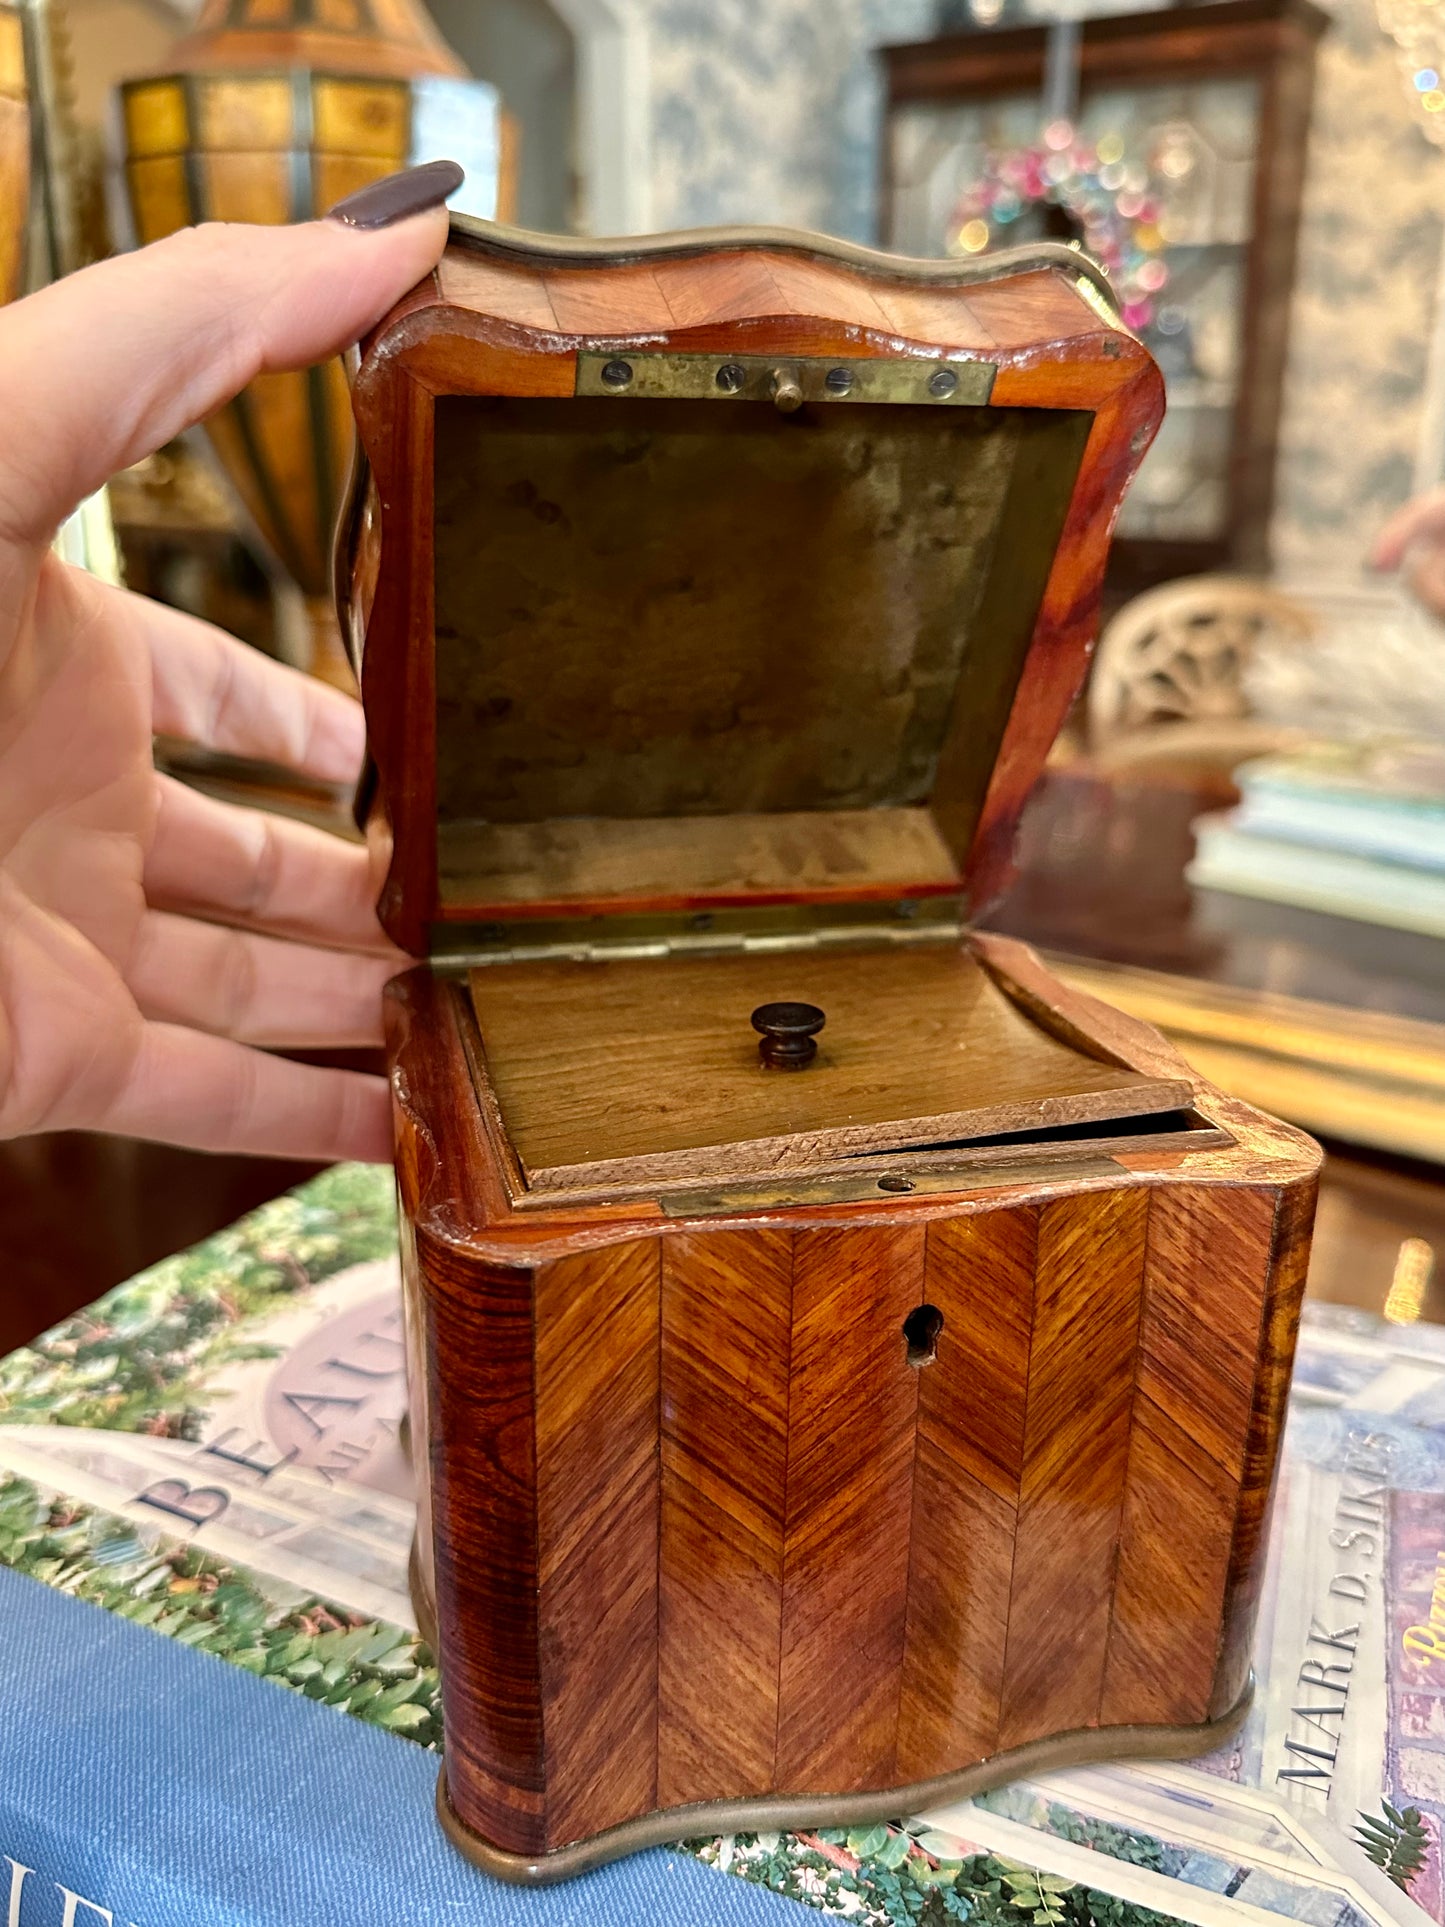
[(216, 1709), (1352, 830)]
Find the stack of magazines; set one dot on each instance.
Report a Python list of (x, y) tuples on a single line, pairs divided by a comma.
[(1353, 830), (217, 1707)]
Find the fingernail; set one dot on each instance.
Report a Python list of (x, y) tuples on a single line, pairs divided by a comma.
[(398, 196)]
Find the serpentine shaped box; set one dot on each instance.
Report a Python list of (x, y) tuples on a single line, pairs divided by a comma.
[(847, 1367)]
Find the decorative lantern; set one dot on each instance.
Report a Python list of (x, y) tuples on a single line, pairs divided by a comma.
[(14, 153), (273, 112)]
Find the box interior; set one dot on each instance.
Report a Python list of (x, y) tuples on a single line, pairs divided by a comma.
[(642, 1070), (692, 653)]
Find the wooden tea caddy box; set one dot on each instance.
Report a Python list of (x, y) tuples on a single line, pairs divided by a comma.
[(795, 1445)]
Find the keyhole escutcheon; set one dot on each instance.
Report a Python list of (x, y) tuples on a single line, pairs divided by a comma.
[(920, 1333)]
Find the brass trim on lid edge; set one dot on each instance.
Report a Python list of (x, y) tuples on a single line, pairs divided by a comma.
[(584, 251)]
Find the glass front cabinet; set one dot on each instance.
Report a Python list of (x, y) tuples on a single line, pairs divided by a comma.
[(1181, 169)]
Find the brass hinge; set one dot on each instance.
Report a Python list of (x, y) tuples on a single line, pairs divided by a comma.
[(876, 1185), (787, 380), (704, 943)]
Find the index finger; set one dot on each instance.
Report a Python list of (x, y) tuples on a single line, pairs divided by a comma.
[(107, 365), (184, 1087)]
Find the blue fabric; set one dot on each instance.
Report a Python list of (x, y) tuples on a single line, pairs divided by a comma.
[(175, 1791)]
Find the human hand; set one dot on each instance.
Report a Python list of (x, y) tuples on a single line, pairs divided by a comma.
[(1415, 535), (152, 939)]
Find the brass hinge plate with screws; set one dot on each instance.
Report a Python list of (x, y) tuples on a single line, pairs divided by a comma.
[(787, 382)]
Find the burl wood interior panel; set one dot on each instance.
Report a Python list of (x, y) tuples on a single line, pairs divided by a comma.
[(648, 1068), (683, 860), (654, 610)]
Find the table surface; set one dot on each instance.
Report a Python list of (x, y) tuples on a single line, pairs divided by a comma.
[(80, 1213), (1101, 876)]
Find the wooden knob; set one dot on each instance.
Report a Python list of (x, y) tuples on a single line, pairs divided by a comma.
[(788, 1034)]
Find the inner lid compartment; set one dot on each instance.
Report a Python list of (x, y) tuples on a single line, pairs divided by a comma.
[(633, 1070), (695, 653)]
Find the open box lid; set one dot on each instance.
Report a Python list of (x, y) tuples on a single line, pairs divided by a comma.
[(732, 584)]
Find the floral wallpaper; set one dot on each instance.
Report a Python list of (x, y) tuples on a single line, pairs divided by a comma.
[(1364, 309), (769, 110)]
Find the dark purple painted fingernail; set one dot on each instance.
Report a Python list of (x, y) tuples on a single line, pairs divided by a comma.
[(398, 196)]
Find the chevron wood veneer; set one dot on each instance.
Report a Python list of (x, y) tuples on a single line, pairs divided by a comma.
[(704, 1534), (726, 1348)]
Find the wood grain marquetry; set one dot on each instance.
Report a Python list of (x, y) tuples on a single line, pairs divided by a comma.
[(596, 1426), (419, 1422), (1289, 1261), (483, 1473), (727, 1308), (1203, 1303), (726, 288), (708, 292), (972, 1407), (981, 1277), (1204, 1292), (1087, 1289), (852, 1412), (1174, 1542)]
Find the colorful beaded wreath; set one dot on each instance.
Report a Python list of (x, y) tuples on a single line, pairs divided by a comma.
[(1116, 205)]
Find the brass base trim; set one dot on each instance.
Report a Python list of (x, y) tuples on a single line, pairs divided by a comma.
[(794, 1812), (422, 1604)]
